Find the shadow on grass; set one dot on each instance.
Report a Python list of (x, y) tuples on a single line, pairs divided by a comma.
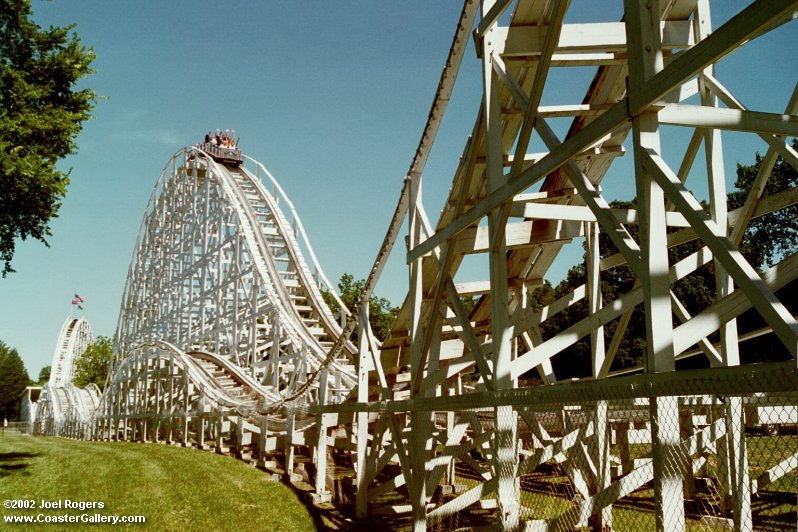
[(18, 466), (774, 510)]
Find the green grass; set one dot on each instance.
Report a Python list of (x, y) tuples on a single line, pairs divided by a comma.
[(765, 452), (176, 489)]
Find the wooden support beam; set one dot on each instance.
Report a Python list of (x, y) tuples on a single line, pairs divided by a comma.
[(577, 213), (700, 116), (597, 37), (601, 209), (642, 19), (555, 159), (747, 279), (747, 24), (778, 145)]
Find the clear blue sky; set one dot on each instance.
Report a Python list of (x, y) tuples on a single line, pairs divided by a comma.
[(331, 97)]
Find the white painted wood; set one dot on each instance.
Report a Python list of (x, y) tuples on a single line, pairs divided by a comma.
[(581, 38), (645, 62), (747, 24), (729, 119), (505, 457), (748, 280)]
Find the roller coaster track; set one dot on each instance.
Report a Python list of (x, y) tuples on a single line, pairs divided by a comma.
[(221, 314), (63, 408), (225, 341), (218, 268)]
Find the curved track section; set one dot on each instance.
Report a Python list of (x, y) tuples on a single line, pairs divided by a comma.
[(218, 268), (64, 409), (159, 392)]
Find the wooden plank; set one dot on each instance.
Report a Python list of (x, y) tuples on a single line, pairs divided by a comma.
[(729, 119), (587, 37), (577, 213)]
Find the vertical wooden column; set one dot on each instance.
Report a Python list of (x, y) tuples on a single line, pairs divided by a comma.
[(363, 365), (124, 409), (185, 407), (200, 421), (275, 352), (218, 430), (644, 44), (288, 445), (156, 413), (321, 444), (169, 402), (603, 519), (505, 454), (418, 420), (143, 410), (449, 475), (262, 441), (733, 456)]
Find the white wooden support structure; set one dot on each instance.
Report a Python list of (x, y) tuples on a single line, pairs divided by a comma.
[(224, 337), (416, 475), (361, 438), (322, 490), (645, 61), (504, 449)]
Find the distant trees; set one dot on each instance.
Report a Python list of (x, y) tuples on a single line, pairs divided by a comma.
[(13, 380), (40, 116), (766, 240), (381, 313), (775, 234), (93, 365), (44, 375)]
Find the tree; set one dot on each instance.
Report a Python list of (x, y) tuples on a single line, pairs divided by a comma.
[(93, 365), (41, 114), (13, 380), (773, 235), (381, 313), (44, 375), (766, 240)]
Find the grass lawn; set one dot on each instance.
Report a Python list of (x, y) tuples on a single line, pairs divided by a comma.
[(176, 489)]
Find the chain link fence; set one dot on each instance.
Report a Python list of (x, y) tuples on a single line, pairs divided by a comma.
[(709, 449)]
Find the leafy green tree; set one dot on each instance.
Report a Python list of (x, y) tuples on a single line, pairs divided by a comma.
[(13, 380), (41, 113), (381, 313), (93, 365), (44, 375), (773, 235), (766, 240)]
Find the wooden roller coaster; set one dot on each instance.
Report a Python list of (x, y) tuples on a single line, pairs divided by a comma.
[(225, 341)]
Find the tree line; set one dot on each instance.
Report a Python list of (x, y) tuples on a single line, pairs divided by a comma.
[(91, 367)]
